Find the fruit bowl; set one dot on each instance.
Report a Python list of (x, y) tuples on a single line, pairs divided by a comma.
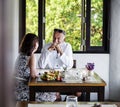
[(51, 76)]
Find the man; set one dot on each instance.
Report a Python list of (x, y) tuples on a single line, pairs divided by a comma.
[(57, 54)]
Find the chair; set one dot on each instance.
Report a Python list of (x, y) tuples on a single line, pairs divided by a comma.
[(74, 63)]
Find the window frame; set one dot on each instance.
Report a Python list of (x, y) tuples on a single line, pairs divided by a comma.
[(106, 14), (41, 26)]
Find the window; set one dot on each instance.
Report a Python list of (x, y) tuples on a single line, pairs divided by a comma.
[(85, 22), (32, 16)]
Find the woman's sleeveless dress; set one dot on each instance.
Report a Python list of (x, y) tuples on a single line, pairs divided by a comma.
[(22, 74)]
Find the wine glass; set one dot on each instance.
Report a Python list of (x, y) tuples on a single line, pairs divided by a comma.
[(71, 101)]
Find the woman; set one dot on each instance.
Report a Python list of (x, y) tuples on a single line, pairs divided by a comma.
[(25, 67)]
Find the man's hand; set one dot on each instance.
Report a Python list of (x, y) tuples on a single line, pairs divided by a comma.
[(59, 50), (52, 47), (56, 47)]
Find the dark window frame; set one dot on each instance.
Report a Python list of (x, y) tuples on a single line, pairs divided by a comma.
[(22, 19), (41, 26), (106, 14)]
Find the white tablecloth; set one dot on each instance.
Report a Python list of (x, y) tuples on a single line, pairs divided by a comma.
[(73, 75), (63, 105)]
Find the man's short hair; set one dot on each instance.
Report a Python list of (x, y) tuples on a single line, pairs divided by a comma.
[(60, 31)]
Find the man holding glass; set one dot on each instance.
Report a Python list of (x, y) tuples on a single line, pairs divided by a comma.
[(58, 54)]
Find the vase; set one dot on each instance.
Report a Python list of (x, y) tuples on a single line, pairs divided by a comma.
[(90, 72)]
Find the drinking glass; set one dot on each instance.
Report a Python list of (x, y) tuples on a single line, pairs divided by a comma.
[(71, 101)]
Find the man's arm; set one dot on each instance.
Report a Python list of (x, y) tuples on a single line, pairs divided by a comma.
[(67, 56), (44, 57)]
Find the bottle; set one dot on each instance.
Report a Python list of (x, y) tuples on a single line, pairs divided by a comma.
[(59, 77)]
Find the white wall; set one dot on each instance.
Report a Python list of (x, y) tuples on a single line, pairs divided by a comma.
[(9, 35), (16, 30), (101, 67), (11, 23), (115, 51)]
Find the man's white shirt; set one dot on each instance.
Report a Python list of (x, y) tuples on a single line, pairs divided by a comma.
[(50, 59)]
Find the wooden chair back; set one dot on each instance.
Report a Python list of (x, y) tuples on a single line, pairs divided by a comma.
[(74, 63)]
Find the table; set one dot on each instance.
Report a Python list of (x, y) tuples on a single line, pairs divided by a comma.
[(64, 87), (62, 104)]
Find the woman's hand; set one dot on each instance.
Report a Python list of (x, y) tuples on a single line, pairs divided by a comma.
[(34, 73)]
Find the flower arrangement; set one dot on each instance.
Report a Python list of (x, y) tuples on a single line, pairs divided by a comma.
[(90, 66)]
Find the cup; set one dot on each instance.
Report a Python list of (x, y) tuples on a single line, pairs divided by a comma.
[(63, 76), (71, 101)]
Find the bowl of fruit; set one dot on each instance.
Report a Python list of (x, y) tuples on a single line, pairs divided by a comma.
[(51, 76)]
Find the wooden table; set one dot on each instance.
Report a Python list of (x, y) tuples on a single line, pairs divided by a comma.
[(25, 104), (63, 87)]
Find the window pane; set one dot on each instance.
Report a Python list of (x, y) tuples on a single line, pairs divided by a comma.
[(64, 14), (32, 16), (96, 23)]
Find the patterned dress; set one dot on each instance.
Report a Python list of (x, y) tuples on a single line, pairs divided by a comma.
[(22, 74)]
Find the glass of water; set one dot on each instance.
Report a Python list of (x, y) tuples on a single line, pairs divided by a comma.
[(71, 101)]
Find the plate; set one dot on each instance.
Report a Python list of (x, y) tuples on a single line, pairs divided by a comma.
[(51, 76)]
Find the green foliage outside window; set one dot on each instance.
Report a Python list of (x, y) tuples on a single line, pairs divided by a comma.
[(64, 14), (96, 22), (32, 16)]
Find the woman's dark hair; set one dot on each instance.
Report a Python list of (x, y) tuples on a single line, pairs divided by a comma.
[(27, 43)]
